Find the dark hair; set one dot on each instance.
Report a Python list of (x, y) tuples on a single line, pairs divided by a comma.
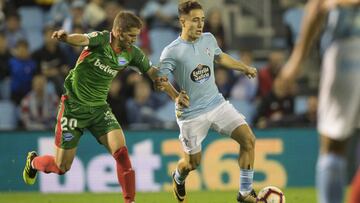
[(126, 20), (186, 7)]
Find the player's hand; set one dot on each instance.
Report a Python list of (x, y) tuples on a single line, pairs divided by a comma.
[(183, 100), (250, 72), (60, 35), (288, 72), (160, 82), (287, 76)]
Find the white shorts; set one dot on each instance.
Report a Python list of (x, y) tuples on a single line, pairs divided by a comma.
[(223, 119), (339, 96)]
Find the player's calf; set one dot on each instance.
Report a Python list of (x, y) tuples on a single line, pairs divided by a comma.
[(125, 173), (47, 164)]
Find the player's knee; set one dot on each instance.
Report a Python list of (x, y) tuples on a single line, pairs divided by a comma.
[(192, 165), (64, 167)]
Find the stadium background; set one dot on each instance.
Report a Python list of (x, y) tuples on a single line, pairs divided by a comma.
[(259, 32)]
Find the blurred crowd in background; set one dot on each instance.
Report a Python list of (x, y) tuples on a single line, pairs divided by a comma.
[(33, 66)]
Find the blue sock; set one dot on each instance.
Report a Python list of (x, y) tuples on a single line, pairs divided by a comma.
[(180, 179), (246, 180), (330, 178)]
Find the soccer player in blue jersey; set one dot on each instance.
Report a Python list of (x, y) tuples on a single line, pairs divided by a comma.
[(199, 105), (339, 97)]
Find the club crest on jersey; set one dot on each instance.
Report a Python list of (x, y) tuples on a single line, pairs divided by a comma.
[(122, 61), (68, 137), (200, 74)]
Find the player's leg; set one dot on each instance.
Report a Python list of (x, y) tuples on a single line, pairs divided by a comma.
[(108, 132), (355, 188), (114, 141), (228, 121), (66, 139), (192, 133), (186, 164), (59, 164), (246, 139), (331, 170)]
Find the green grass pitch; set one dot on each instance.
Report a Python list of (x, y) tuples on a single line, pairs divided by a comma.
[(293, 195)]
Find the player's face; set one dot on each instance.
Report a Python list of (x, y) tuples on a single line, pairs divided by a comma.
[(193, 24), (128, 38)]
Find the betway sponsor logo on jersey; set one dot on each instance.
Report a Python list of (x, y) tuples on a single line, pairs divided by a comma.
[(105, 68), (201, 73)]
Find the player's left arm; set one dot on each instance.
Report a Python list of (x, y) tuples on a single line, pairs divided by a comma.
[(229, 62), (141, 61)]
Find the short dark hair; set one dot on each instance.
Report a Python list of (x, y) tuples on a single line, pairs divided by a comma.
[(186, 7), (126, 20)]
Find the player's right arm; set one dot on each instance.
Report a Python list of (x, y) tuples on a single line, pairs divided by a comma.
[(167, 65), (72, 39), (315, 14)]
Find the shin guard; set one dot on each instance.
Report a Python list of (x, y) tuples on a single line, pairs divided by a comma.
[(125, 173)]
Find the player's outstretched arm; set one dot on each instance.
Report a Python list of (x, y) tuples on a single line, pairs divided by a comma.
[(72, 39), (229, 62)]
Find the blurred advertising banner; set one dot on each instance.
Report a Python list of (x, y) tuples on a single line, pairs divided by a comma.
[(284, 157)]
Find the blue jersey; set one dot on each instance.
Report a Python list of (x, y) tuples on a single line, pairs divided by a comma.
[(192, 64), (343, 23)]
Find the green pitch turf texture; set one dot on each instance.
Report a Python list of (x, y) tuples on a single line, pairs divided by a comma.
[(293, 195)]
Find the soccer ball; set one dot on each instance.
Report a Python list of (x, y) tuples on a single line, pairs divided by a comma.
[(270, 194)]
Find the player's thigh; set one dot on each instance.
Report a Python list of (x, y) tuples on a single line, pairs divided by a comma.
[(339, 98), (106, 129), (193, 132), (71, 121), (113, 140), (225, 119)]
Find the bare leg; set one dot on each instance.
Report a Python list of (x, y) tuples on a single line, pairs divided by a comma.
[(246, 138)]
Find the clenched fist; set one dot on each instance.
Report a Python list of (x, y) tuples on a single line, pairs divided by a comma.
[(60, 35)]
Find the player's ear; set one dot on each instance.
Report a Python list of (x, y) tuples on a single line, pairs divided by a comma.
[(119, 32), (114, 32)]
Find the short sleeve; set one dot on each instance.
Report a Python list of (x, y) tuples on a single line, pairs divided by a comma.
[(98, 38), (217, 50), (167, 63), (140, 60)]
